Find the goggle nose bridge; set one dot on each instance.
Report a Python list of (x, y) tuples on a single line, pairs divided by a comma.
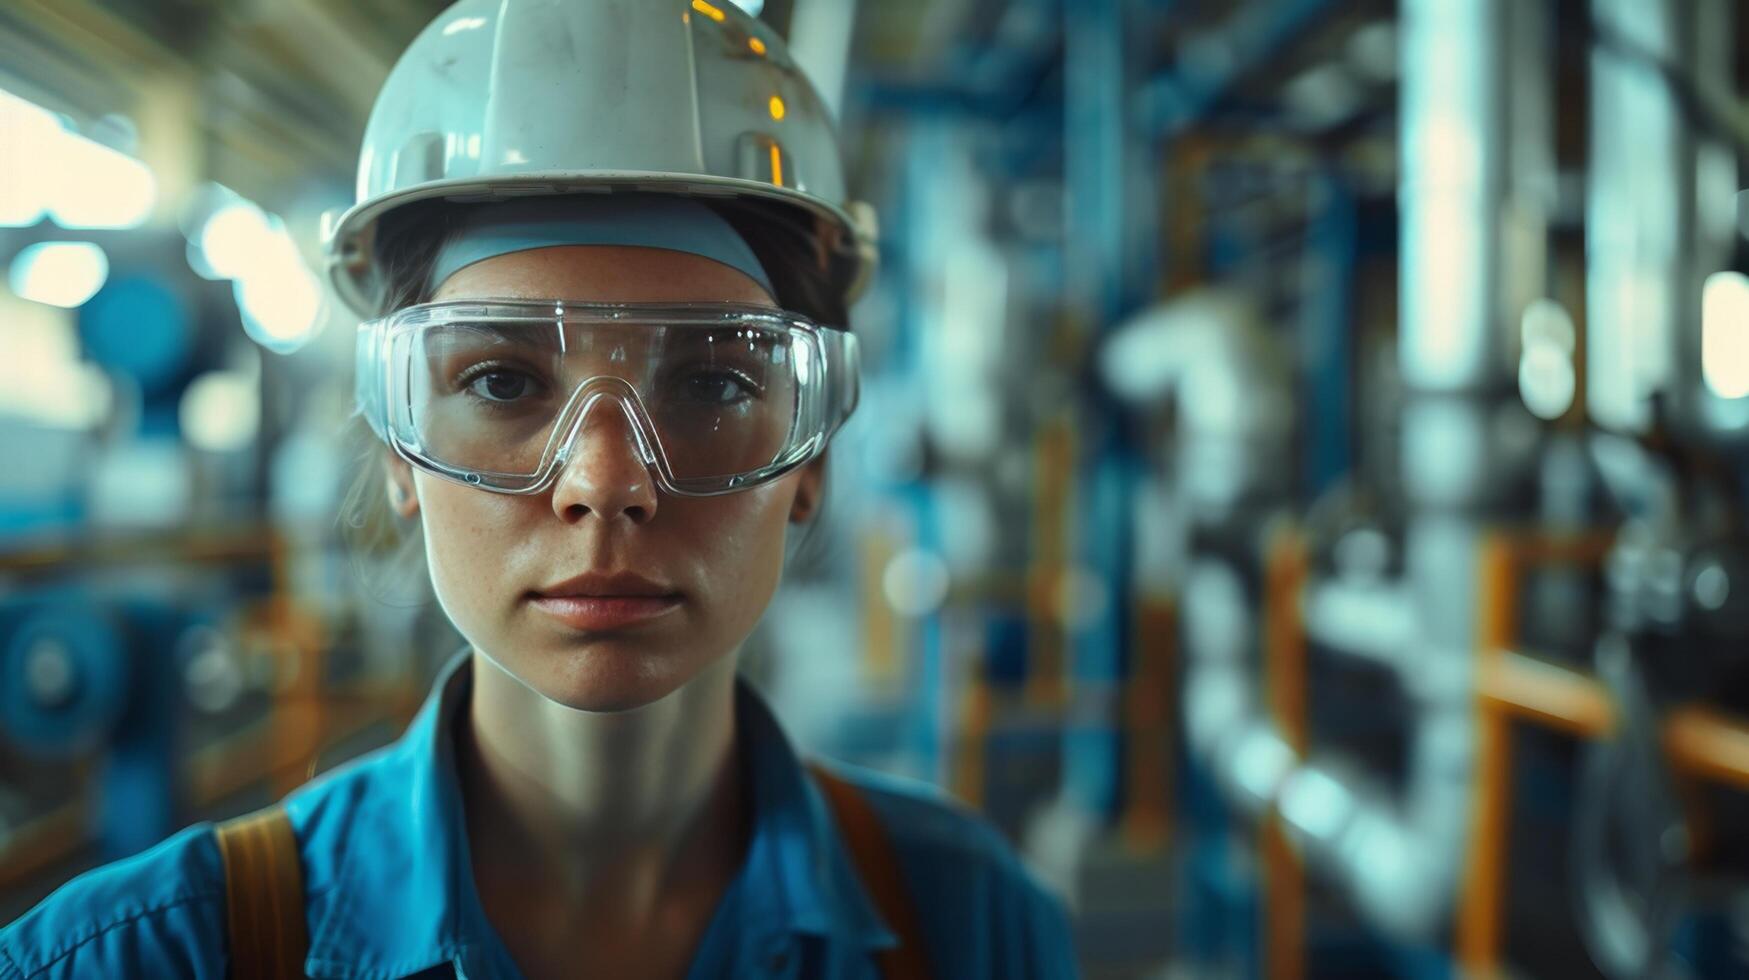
[(583, 401)]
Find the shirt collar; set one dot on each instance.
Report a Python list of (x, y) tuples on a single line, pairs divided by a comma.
[(401, 898)]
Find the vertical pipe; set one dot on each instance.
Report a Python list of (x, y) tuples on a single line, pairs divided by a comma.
[(1097, 167), (935, 732), (1094, 160), (819, 40), (1448, 194), (1657, 210), (882, 662), (1148, 698), (1327, 333), (1285, 669), (1053, 462), (1452, 344), (1632, 228), (977, 710), (928, 141), (1480, 912), (1450, 341), (1529, 192)]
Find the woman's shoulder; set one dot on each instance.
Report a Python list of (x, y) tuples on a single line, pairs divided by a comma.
[(963, 875), (158, 913)]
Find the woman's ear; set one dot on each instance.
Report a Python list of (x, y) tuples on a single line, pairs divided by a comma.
[(398, 482), (809, 489)]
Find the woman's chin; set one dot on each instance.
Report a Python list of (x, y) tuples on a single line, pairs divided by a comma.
[(606, 677)]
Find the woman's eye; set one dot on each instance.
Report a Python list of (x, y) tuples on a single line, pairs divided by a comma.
[(717, 387), (501, 386)]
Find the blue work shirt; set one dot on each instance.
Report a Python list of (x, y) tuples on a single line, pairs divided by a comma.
[(390, 889)]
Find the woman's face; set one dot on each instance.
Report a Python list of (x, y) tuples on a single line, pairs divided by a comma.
[(490, 553)]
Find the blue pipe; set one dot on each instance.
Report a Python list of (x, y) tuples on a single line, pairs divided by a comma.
[(1328, 334), (1173, 101)]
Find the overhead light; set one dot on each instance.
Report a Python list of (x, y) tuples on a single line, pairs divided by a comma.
[(62, 274), (279, 299), (75, 180), (43, 378), (234, 238), (753, 7), (281, 308), (221, 410), (1724, 326), (24, 170), (95, 186)]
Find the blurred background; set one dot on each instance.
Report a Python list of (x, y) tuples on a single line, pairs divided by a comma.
[(1298, 494)]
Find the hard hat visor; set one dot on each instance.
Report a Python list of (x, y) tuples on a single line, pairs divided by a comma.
[(717, 397)]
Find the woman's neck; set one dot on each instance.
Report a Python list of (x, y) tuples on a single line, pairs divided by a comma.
[(627, 811)]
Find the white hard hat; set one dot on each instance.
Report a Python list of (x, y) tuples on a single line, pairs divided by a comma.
[(498, 99)]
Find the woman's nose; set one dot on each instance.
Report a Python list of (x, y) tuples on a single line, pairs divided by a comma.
[(603, 471)]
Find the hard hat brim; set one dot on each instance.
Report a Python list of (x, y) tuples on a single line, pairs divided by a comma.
[(350, 241)]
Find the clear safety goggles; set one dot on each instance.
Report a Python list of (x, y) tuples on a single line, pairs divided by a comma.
[(493, 394)]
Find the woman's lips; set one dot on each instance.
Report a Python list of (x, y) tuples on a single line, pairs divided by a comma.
[(596, 613)]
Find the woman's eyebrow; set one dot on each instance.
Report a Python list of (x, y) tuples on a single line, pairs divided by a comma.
[(549, 338), (541, 335)]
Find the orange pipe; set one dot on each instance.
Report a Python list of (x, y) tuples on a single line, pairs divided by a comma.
[(881, 657), (1479, 929), (243, 544), (1054, 465), (969, 777), (1146, 823), (1534, 690), (1284, 667), (1549, 548), (1509, 686), (1705, 743), (1700, 741)]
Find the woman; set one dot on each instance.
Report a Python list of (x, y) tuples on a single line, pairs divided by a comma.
[(605, 242)]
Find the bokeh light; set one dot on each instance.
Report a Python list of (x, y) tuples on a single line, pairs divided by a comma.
[(59, 273)]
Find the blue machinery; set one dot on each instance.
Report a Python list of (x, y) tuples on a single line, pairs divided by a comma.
[(153, 666), (135, 710), (1046, 660)]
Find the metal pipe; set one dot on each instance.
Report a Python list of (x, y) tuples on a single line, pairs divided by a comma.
[(1657, 212), (1399, 857), (819, 40), (1175, 101), (1371, 620), (1396, 856)]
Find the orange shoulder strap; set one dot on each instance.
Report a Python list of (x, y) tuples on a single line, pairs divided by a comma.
[(877, 865), (264, 892)]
